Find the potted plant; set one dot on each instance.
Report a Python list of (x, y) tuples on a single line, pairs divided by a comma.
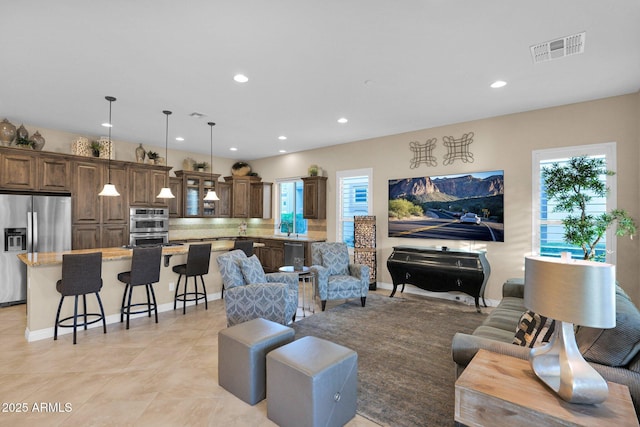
[(573, 186), (152, 156), (24, 143), (95, 148), (200, 166)]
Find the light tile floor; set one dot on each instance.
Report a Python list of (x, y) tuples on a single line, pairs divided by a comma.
[(161, 374)]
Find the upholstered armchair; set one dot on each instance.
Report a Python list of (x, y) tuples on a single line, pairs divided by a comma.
[(250, 293), (336, 277)]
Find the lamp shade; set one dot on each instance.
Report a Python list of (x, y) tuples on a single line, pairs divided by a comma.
[(109, 190), (165, 193), (211, 196), (579, 292)]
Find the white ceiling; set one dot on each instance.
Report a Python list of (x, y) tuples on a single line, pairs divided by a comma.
[(388, 66)]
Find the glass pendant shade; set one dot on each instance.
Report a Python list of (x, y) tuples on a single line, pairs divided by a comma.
[(109, 189), (165, 193), (211, 196)]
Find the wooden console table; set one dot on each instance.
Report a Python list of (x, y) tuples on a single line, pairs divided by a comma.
[(497, 390)]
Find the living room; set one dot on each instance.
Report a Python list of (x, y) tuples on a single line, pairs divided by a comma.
[(503, 139)]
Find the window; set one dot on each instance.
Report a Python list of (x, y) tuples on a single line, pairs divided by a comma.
[(290, 199), (354, 198), (548, 231)]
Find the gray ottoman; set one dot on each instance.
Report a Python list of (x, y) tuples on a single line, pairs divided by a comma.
[(241, 356), (312, 382)]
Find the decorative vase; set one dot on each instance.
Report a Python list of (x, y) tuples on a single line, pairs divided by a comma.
[(187, 164), (240, 169), (38, 141), (140, 153), (7, 132), (22, 133)]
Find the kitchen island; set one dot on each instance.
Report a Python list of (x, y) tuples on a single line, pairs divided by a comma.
[(45, 269)]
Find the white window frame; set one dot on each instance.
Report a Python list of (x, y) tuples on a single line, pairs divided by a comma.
[(340, 177), (608, 149), (276, 222)]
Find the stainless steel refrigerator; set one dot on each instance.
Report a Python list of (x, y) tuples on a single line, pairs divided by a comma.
[(29, 223)]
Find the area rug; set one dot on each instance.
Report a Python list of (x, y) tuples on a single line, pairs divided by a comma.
[(406, 375)]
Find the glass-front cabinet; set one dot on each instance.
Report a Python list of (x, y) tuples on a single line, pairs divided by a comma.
[(195, 186)]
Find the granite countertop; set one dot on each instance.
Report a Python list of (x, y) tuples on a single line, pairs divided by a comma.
[(111, 254), (271, 236)]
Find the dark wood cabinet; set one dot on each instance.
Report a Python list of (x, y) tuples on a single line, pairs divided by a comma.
[(53, 173), (241, 190), (271, 255), (18, 170), (114, 235), (145, 182), (195, 186), (175, 205), (260, 203), (315, 197), (223, 190), (85, 236), (88, 179), (115, 210)]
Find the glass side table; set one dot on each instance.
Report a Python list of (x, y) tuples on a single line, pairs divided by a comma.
[(305, 276)]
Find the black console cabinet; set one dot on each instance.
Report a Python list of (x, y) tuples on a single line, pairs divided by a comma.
[(439, 270)]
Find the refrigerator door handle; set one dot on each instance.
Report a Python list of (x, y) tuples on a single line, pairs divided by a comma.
[(29, 232), (35, 231)]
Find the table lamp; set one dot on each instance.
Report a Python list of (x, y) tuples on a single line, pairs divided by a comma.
[(571, 292)]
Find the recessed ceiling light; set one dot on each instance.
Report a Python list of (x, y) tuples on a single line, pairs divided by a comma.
[(282, 137), (179, 138), (282, 151), (498, 84), (241, 78), (233, 149), (107, 125), (342, 120)]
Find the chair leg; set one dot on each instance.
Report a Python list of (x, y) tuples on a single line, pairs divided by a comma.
[(363, 300), (124, 296), (195, 288), (84, 305), (175, 298), (155, 304), (222, 297), (104, 319), (146, 288), (129, 305), (204, 290), (75, 318), (55, 331), (324, 304)]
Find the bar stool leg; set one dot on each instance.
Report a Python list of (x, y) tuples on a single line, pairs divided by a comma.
[(155, 303), (146, 288), (204, 289), (124, 296), (129, 305), (175, 298), (55, 331), (75, 318), (104, 319), (84, 305)]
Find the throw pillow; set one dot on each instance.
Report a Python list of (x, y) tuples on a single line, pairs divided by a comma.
[(252, 270), (533, 330), (616, 346), (231, 273), (336, 259)]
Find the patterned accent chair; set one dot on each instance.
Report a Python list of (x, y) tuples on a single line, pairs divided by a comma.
[(336, 278), (251, 294)]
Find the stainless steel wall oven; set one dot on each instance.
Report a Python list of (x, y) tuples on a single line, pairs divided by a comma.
[(148, 226)]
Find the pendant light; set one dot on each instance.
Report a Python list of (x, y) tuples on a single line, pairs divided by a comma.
[(109, 189), (211, 193), (166, 193)]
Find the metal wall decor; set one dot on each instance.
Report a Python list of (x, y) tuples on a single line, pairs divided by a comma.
[(458, 149), (423, 153)]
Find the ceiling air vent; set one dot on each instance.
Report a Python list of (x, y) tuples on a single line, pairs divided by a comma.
[(559, 48), (196, 115)]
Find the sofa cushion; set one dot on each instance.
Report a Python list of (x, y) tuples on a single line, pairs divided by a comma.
[(231, 273), (533, 330), (252, 270), (616, 346)]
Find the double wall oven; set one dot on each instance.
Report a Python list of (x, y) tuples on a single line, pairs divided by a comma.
[(148, 226)]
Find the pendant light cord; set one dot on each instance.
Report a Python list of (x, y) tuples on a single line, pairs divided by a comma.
[(110, 99), (211, 125), (166, 144)]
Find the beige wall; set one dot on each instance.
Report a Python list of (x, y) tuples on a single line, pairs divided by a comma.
[(500, 143)]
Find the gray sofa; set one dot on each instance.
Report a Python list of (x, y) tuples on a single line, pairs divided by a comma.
[(612, 352)]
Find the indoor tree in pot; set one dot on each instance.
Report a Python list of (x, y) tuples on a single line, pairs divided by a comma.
[(573, 185)]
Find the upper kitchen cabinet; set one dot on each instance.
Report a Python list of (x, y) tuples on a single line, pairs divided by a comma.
[(18, 170), (260, 203), (53, 173), (115, 210), (315, 197), (88, 179), (145, 182), (195, 186), (223, 206), (175, 205), (241, 195)]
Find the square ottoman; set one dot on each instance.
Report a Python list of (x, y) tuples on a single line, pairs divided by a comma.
[(312, 382), (242, 350)]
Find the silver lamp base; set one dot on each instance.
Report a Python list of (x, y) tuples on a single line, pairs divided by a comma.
[(560, 366)]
